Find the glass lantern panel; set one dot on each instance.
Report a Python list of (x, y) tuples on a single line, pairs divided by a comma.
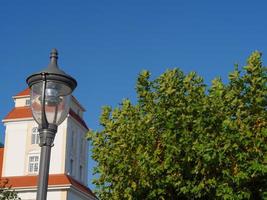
[(57, 102), (36, 104)]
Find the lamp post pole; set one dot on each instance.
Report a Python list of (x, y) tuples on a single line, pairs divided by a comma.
[(46, 142), (50, 95)]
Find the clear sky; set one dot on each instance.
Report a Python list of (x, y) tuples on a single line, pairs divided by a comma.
[(105, 44)]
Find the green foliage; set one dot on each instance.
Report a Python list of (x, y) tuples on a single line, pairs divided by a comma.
[(6, 193), (184, 140)]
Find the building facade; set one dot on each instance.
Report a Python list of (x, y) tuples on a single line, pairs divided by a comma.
[(20, 155)]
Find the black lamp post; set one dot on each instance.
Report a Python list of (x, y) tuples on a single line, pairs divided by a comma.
[(51, 89)]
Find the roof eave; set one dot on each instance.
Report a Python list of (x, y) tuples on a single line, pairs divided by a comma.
[(17, 119)]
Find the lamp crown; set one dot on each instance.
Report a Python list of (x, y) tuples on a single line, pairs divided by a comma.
[(54, 57), (53, 73)]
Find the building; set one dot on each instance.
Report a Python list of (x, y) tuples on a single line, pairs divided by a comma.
[(19, 158)]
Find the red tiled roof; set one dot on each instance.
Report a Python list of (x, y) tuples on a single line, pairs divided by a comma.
[(53, 180), (78, 119), (25, 92), (19, 112), (25, 112), (80, 186), (30, 181)]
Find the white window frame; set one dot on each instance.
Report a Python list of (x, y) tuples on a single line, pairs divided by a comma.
[(33, 163), (35, 139)]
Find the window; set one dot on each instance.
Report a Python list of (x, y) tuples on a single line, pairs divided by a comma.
[(72, 139), (71, 166), (35, 136), (84, 147), (81, 172), (81, 146), (33, 164), (28, 102)]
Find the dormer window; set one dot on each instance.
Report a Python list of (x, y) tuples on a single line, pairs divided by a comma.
[(35, 136), (28, 102)]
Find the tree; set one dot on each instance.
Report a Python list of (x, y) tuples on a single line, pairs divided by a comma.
[(6, 193), (186, 140)]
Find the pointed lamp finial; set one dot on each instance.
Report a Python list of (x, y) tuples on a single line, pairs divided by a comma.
[(53, 73), (54, 57)]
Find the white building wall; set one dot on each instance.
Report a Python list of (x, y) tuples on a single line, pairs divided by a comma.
[(15, 148), (80, 157), (51, 195), (18, 147), (76, 195), (57, 194), (57, 163)]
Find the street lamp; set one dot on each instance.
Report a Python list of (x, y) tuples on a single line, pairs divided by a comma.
[(51, 89)]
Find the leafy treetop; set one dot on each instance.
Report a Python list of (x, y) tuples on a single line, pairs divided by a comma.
[(185, 140)]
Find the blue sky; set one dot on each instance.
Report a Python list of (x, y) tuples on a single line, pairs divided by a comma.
[(105, 44)]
